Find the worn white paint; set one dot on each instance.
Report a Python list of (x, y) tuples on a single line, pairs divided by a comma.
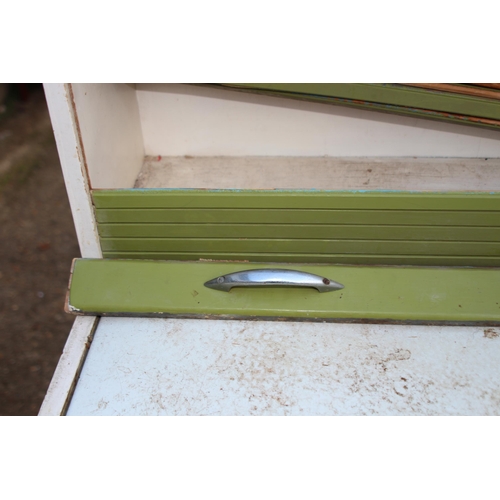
[(72, 163), (195, 367), (68, 368), (264, 172), (110, 127), (182, 120)]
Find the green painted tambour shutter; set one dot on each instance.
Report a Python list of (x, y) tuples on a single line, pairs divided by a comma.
[(442, 229), (470, 104), (161, 246)]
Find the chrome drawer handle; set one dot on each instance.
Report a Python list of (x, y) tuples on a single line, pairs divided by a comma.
[(273, 278)]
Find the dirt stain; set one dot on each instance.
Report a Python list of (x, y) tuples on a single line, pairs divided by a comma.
[(491, 333)]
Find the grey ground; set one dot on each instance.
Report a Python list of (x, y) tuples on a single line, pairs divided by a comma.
[(37, 244)]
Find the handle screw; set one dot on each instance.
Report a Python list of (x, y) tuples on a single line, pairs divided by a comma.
[(326, 281)]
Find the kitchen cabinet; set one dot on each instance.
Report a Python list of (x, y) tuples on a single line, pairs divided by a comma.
[(172, 185)]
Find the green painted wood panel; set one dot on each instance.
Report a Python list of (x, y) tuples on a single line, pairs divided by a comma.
[(295, 216), (301, 246), (297, 231), (280, 199), (411, 106), (408, 294), (361, 259), (391, 94), (381, 108), (288, 226)]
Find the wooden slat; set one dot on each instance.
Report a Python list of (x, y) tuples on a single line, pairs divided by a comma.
[(371, 293), (390, 94), (430, 114), (355, 259), (330, 200), (458, 89), (301, 246), (249, 216), (487, 85), (294, 231)]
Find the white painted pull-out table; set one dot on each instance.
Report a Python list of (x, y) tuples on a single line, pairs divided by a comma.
[(138, 366)]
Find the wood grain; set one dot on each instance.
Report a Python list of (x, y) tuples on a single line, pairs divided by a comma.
[(458, 89)]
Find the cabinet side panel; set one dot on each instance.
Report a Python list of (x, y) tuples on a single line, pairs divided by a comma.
[(108, 118), (72, 163)]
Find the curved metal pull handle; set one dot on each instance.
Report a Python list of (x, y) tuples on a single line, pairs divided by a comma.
[(273, 278)]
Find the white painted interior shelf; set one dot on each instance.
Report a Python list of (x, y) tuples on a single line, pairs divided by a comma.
[(321, 173)]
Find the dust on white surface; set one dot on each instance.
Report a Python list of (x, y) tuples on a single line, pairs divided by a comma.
[(325, 173), (199, 367)]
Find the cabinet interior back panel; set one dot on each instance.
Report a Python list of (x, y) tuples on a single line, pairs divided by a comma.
[(179, 120)]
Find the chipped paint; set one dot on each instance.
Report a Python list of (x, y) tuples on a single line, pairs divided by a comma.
[(491, 333)]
